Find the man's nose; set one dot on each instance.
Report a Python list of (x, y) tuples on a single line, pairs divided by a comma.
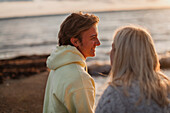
[(97, 42)]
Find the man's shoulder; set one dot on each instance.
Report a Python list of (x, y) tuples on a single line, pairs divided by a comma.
[(69, 69), (74, 75), (74, 70), (81, 77)]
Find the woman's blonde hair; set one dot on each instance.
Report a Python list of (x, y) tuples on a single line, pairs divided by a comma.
[(135, 59)]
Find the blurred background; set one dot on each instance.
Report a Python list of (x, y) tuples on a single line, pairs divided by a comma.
[(30, 27), (28, 34)]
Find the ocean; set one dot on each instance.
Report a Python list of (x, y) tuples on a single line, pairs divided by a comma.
[(38, 35)]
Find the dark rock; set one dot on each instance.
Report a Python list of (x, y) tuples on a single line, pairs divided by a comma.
[(22, 66), (99, 69), (165, 62)]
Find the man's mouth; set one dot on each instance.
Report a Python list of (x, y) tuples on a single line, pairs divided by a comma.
[(93, 49)]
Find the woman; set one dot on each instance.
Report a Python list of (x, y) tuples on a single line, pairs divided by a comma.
[(137, 85)]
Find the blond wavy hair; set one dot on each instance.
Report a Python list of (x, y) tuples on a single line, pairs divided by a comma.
[(135, 59)]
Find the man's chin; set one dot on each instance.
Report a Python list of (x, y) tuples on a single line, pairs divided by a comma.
[(93, 55)]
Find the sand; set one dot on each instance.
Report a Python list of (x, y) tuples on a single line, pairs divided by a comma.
[(26, 95)]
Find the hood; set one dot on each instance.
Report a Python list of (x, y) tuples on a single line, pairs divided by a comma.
[(64, 55)]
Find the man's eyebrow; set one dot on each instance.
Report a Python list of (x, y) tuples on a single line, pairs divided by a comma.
[(93, 35)]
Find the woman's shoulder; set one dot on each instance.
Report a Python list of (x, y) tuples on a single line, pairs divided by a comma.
[(109, 101), (109, 93)]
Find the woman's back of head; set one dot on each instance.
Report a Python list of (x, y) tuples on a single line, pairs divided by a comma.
[(135, 49), (135, 58)]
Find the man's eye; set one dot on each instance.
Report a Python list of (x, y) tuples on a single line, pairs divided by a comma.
[(93, 38)]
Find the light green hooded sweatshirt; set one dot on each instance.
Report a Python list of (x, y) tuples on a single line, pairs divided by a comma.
[(69, 88)]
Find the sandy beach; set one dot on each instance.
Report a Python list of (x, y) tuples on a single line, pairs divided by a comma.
[(26, 95)]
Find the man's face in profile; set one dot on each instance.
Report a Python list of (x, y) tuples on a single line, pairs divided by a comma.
[(89, 42)]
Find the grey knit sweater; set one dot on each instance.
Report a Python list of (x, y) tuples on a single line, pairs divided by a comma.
[(114, 101)]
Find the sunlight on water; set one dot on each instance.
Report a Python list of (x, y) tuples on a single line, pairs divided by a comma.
[(38, 35)]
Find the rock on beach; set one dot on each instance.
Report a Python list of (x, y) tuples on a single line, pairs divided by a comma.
[(165, 61)]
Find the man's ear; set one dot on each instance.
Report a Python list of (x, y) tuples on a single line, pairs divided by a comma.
[(74, 41)]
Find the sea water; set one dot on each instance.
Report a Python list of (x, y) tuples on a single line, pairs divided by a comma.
[(38, 35)]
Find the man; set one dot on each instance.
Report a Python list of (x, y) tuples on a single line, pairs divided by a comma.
[(70, 89)]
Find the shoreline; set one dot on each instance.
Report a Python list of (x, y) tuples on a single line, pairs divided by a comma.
[(25, 66), (26, 9)]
